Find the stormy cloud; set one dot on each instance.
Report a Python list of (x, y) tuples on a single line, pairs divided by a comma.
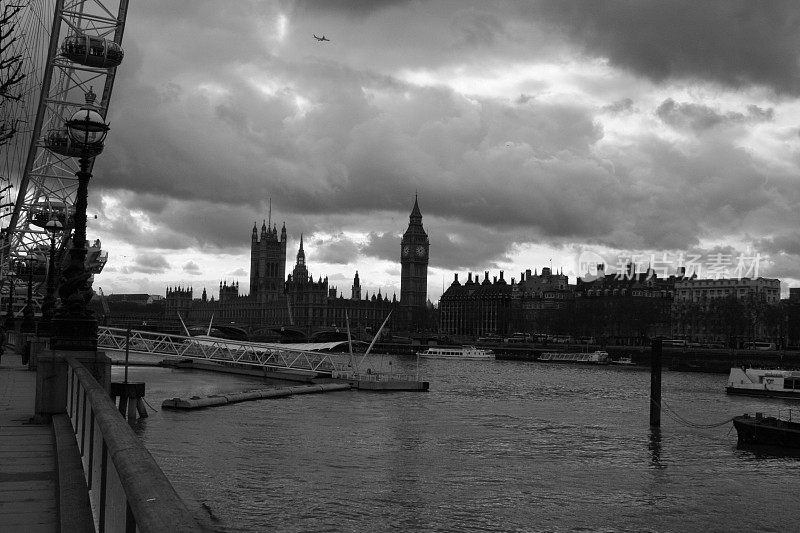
[(546, 126)]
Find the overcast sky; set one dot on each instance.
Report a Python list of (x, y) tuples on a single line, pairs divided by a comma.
[(535, 133)]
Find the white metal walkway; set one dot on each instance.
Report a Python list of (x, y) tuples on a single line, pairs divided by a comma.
[(269, 356)]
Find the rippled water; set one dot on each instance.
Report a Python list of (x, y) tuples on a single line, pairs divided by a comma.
[(494, 446)]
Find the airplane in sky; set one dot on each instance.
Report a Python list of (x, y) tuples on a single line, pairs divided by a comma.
[(323, 38)]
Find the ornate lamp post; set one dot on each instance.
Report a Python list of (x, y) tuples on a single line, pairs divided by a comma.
[(74, 327), (53, 227), (9, 323), (28, 320)]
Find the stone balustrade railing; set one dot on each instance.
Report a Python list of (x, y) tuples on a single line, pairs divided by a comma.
[(127, 489)]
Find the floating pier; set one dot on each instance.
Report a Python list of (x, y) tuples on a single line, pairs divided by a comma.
[(374, 381), (197, 402), (377, 381)]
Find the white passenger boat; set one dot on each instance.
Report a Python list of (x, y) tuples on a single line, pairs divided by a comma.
[(623, 361), (598, 357), (764, 382), (450, 352)]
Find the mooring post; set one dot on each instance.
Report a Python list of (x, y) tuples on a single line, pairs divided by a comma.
[(131, 399), (655, 383), (123, 404)]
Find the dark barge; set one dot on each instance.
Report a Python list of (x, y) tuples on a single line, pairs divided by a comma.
[(767, 431)]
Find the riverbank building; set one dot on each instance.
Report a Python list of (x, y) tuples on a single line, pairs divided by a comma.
[(298, 305)]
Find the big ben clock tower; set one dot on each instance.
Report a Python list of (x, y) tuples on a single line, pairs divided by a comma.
[(414, 271)]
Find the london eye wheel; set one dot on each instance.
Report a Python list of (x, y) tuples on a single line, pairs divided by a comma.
[(64, 49)]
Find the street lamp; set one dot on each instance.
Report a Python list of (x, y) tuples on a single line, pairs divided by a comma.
[(52, 227), (28, 320), (74, 327), (9, 323)]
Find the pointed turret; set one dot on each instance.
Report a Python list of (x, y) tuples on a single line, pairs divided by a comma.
[(301, 255), (300, 271), (356, 289), (416, 216)]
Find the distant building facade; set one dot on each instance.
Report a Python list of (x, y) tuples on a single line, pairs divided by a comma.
[(728, 313), (625, 308), (476, 308), (541, 302), (300, 303), (791, 308)]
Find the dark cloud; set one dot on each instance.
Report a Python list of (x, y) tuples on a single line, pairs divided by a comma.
[(788, 243), (713, 189), (348, 7), (759, 114), (192, 268), (535, 162), (620, 106), (733, 42), (476, 27), (147, 263), (701, 117), (206, 130), (383, 245), (338, 251), (783, 267), (456, 247)]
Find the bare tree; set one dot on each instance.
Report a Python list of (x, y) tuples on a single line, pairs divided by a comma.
[(10, 66)]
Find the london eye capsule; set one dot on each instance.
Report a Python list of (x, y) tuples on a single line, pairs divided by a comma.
[(40, 213), (92, 51)]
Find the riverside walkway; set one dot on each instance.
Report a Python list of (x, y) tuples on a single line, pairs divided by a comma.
[(47, 470), (28, 467)]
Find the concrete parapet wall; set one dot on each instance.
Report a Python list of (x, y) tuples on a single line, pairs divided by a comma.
[(51, 378), (75, 512), (128, 490)]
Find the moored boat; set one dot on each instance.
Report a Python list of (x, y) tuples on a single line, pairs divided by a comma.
[(764, 382), (598, 357), (456, 352), (762, 430), (624, 361)]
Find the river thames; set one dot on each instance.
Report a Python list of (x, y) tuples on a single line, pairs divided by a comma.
[(493, 446)]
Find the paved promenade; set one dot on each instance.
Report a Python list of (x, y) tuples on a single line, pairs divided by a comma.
[(28, 472)]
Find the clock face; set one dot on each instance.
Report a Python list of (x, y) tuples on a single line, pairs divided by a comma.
[(406, 250), (421, 251)]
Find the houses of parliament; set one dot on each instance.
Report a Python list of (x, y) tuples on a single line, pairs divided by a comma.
[(300, 305)]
